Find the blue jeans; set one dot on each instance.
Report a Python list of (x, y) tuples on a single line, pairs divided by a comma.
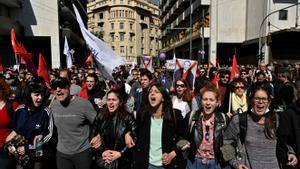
[(199, 164), (155, 167)]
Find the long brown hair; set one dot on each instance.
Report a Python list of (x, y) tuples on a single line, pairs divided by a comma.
[(187, 96), (5, 91), (122, 109), (270, 117)]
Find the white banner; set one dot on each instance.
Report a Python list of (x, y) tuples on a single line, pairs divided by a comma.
[(68, 54), (105, 58)]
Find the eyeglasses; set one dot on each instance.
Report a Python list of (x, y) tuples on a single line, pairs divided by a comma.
[(239, 87), (261, 99), (207, 133), (180, 85), (135, 74)]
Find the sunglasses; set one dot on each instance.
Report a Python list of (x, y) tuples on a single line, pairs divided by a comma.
[(239, 87), (226, 77), (180, 85)]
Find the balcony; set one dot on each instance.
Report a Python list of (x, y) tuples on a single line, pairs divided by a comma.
[(11, 3)]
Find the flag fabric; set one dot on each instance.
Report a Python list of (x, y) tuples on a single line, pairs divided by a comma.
[(106, 59), (68, 54), (83, 92), (30, 66), (1, 65), (18, 47), (89, 60), (234, 68), (215, 81), (147, 63), (43, 69)]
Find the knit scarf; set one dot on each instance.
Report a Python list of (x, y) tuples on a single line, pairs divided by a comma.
[(239, 103)]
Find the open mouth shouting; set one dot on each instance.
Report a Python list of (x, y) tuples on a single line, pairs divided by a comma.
[(155, 97)]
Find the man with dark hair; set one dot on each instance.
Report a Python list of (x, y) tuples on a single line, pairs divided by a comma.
[(95, 92), (141, 94)]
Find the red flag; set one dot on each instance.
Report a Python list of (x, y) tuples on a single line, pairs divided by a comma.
[(83, 92), (43, 69), (19, 47), (215, 80), (89, 60), (234, 68), (1, 65)]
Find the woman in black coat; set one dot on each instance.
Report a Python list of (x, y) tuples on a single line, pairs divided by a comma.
[(112, 123), (159, 129)]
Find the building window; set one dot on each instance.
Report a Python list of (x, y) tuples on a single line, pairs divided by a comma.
[(142, 17), (131, 49), (283, 14), (112, 37), (131, 26), (121, 25), (131, 38), (113, 48), (122, 36), (121, 1), (122, 49), (100, 15), (112, 26)]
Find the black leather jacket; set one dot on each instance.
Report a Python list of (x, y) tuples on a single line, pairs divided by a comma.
[(112, 131), (196, 134)]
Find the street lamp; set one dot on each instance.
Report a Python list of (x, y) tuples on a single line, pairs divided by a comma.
[(261, 25)]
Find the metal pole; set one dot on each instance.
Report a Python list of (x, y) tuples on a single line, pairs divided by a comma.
[(261, 25), (191, 30), (202, 38), (297, 15)]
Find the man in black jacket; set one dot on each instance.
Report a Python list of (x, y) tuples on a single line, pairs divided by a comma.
[(288, 134)]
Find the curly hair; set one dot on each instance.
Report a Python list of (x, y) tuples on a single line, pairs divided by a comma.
[(5, 90)]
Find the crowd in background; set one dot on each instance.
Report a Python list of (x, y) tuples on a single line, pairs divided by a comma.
[(148, 120)]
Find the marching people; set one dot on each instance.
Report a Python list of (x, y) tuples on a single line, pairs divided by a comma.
[(32, 128), (7, 111), (159, 128), (253, 134), (112, 124), (206, 131), (73, 117)]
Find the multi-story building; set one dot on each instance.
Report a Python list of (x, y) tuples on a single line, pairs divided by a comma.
[(36, 25), (231, 27), (129, 27), (238, 26), (41, 27), (185, 28)]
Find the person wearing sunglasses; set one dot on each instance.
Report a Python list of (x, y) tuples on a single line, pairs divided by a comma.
[(182, 98), (224, 89), (206, 127), (239, 98), (253, 134), (73, 117)]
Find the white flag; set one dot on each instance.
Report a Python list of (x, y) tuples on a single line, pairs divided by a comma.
[(105, 58), (68, 54)]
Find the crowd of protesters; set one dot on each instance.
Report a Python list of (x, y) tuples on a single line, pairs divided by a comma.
[(148, 120)]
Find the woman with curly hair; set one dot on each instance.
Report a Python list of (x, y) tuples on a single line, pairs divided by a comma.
[(32, 127), (7, 109)]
